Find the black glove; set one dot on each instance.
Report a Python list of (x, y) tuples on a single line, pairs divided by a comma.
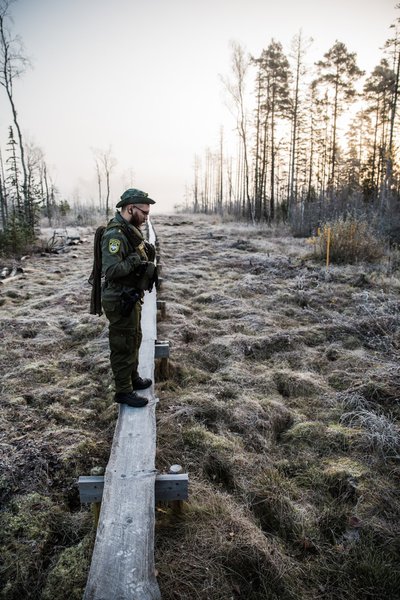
[(146, 267), (150, 251)]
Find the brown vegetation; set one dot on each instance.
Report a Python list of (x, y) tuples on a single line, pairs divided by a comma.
[(281, 403), (282, 406)]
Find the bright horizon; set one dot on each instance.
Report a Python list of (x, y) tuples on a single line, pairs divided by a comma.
[(143, 78)]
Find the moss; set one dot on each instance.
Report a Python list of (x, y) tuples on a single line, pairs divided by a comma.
[(342, 477), (264, 349), (307, 431), (67, 579), (340, 436), (295, 385), (319, 437), (27, 534), (6, 486), (38, 372), (271, 499), (87, 331), (350, 342), (200, 438), (12, 294), (346, 465), (28, 517), (340, 380)]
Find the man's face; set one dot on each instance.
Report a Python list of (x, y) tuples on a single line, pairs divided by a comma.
[(138, 213)]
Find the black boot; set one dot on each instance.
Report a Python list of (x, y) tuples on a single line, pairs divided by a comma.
[(141, 384), (131, 399)]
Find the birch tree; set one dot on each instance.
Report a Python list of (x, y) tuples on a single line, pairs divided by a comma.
[(236, 88)]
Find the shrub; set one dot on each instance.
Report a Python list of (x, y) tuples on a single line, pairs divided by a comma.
[(351, 240), (16, 238)]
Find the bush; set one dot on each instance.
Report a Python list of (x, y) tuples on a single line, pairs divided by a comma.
[(350, 241), (16, 238)]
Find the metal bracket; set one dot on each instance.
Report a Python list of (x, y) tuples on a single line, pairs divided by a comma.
[(161, 349), (168, 487)]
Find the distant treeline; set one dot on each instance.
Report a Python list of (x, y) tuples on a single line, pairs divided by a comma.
[(312, 143), (26, 187)]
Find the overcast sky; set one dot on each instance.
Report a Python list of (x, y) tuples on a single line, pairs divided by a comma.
[(143, 77)]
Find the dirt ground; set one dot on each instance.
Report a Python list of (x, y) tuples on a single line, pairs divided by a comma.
[(281, 404)]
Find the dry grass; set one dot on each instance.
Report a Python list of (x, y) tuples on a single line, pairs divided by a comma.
[(281, 402), (54, 424), (262, 342), (351, 240)]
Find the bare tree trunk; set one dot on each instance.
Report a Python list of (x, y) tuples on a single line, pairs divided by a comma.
[(108, 162), (236, 89), (221, 172), (293, 148), (3, 195), (98, 176), (257, 186), (196, 185), (389, 167), (9, 72), (272, 180), (46, 185)]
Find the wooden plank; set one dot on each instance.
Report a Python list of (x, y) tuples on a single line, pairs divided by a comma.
[(167, 487), (123, 556)]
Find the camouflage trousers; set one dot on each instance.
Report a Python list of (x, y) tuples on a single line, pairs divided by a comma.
[(125, 337)]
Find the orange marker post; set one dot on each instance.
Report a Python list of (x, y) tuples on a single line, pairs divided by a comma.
[(328, 246)]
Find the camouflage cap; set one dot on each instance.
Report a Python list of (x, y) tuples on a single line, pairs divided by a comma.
[(133, 196)]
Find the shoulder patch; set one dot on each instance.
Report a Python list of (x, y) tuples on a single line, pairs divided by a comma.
[(114, 246)]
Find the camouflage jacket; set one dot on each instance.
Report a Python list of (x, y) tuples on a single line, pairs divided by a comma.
[(120, 259)]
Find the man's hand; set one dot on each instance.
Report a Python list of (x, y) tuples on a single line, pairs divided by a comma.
[(146, 268), (150, 251)]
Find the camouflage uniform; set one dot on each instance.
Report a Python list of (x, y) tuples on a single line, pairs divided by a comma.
[(120, 263)]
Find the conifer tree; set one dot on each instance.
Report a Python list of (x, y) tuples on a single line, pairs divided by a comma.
[(337, 73), (274, 75), (378, 95), (13, 63)]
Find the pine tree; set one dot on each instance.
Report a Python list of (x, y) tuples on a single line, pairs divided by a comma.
[(274, 76), (338, 73), (379, 94)]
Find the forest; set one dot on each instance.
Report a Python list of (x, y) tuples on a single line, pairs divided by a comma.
[(313, 141)]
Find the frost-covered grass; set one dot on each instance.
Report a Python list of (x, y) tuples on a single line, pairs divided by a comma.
[(273, 363), (56, 423), (282, 403)]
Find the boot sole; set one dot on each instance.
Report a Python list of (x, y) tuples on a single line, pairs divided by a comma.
[(133, 404)]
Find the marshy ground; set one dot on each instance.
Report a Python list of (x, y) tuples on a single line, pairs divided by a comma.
[(282, 404)]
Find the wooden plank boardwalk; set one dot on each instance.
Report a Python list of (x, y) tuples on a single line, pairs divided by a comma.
[(123, 557)]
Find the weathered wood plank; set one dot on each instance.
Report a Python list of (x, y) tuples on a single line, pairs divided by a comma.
[(123, 557)]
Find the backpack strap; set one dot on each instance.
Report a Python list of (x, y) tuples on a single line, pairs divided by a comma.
[(95, 276)]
